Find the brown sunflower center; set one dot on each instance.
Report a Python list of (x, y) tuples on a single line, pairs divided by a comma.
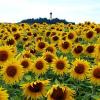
[(97, 30), (26, 55), (39, 38), (36, 87), (14, 29), (65, 45), (55, 38), (10, 42), (25, 38), (11, 71), (79, 69), (29, 34), (48, 34), (49, 49), (16, 36), (60, 65), (25, 64), (3, 55), (49, 58), (33, 51), (39, 65), (78, 49), (89, 34), (96, 73), (41, 45), (90, 49), (58, 94), (70, 36)]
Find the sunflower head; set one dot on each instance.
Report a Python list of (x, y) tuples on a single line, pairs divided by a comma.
[(3, 94), (80, 69), (40, 66), (77, 50), (12, 72), (95, 74), (40, 46), (5, 54), (60, 65), (65, 45), (48, 56), (35, 90), (60, 93)]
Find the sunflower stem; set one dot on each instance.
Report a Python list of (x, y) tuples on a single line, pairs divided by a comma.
[(93, 89)]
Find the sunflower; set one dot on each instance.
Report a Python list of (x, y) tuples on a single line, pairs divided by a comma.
[(60, 93), (97, 52), (51, 48), (40, 66), (12, 72), (94, 74), (97, 29), (38, 38), (48, 56), (5, 54), (80, 69), (71, 35), (35, 90), (65, 46), (90, 49), (10, 41), (77, 50), (17, 36), (26, 54), (26, 63), (47, 33), (60, 65), (89, 35), (40, 45), (55, 38), (3, 94)]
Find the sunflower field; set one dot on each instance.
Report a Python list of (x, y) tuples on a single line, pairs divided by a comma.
[(50, 61)]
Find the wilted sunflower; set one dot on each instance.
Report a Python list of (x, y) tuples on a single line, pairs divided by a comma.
[(3, 94), (80, 69), (12, 72), (95, 75), (65, 46), (35, 90), (26, 64), (5, 54), (40, 66), (60, 93), (60, 65), (77, 50)]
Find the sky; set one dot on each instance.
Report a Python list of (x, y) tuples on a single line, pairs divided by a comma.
[(71, 10)]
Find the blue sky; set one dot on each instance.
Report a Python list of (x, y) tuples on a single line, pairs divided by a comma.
[(71, 10)]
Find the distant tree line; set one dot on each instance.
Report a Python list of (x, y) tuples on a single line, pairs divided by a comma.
[(42, 20)]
